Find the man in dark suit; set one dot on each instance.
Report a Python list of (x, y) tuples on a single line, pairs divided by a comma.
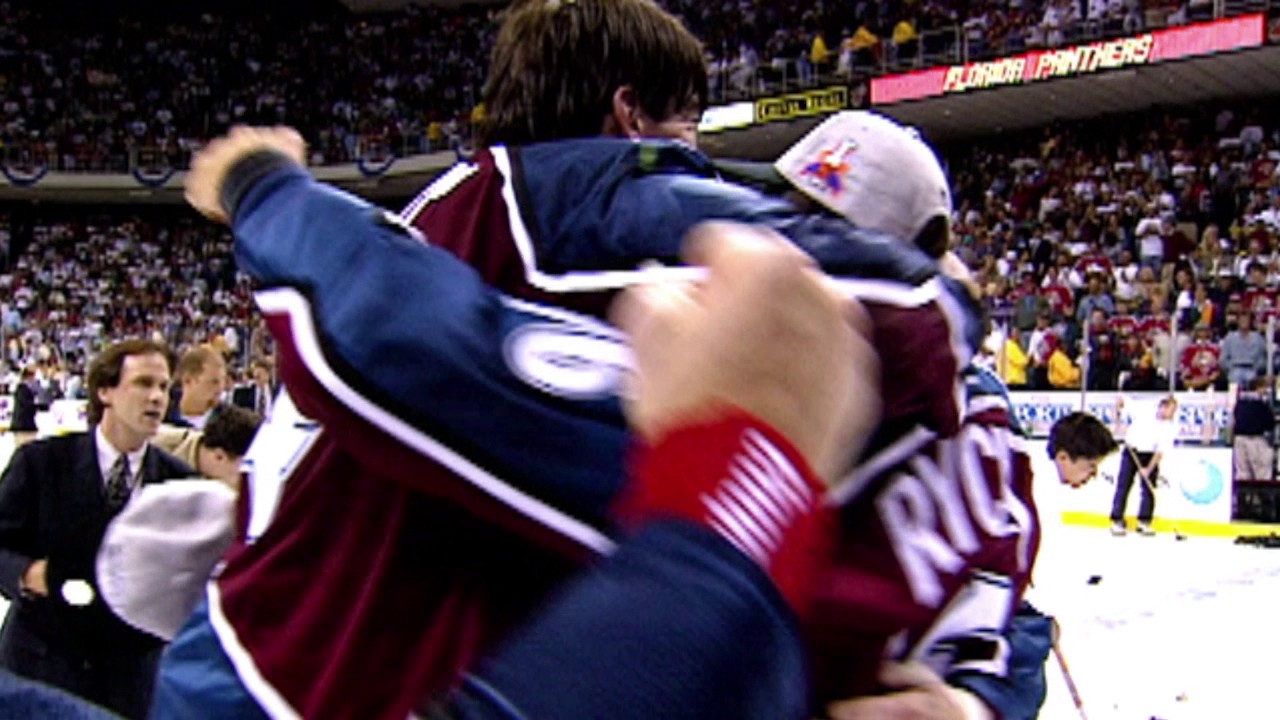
[(56, 498), (23, 425), (258, 394)]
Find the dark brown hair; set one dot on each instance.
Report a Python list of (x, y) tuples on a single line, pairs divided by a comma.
[(935, 237), (1081, 436), (105, 370), (231, 429), (557, 63)]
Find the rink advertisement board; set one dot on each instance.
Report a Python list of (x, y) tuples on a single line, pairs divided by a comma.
[(1194, 40), (803, 104), (1195, 485), (1201, 416), (62, 417)]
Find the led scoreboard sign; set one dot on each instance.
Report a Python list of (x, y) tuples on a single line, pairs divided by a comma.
[(1146, 49), (1066, 62)]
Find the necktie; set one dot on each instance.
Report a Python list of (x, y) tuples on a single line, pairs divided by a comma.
[(118, 484), (261, 409)]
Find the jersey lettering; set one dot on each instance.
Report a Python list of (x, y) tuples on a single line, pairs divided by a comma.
[(909, 517), (929, 518)]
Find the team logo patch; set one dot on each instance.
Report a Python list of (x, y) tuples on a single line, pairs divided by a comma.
[(569, 362), (828, 171)]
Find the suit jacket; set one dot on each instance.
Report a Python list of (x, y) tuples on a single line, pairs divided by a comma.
[(24, 409), (245, 396), (172, 415), (1042, 256), (53, 505)]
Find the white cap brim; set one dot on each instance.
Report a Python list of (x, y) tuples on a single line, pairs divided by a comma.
[(158, 553), (872, 171)]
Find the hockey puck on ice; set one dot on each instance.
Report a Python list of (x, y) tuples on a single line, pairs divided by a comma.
[(1095, 579)]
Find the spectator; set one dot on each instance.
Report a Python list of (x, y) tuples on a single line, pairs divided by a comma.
[(1039, 347), (203, 376), (1012, 361), (1096, 299), (1028, 304), (1244, 353), (1104, 353), (1199, 361), (1063, 373), (23, 424), (1253, 423)]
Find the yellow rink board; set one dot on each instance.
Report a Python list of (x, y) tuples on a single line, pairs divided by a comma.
[(1197, 528)]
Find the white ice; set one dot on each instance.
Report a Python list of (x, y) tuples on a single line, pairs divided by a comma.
[(1173, 629)]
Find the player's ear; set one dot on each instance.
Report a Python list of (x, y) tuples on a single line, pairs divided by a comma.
[(625, 118)]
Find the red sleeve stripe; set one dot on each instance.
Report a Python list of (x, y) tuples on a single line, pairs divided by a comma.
[(732, 527), (761, 497)]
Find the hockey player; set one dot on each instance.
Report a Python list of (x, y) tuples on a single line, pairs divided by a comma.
[(543, 232), (584, 650), (426, 411)]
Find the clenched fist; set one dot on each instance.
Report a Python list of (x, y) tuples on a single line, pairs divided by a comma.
[(210, 165)]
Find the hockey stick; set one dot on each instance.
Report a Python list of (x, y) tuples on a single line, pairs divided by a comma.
[(1137, 469), (1151, 485), (1066, 674)]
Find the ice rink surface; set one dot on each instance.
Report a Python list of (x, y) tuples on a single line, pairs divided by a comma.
[(1171, 629), (1175, 630)]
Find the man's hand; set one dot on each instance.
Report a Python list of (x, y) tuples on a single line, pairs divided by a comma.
[(210, 165), (952, 266), (926, 697), (765, 332), (34, 580)]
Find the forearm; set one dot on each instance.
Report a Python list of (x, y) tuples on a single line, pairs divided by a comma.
[(416, 335), (687, 598), (1154, 463)]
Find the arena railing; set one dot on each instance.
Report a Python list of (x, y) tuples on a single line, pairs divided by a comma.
[(957, 45)]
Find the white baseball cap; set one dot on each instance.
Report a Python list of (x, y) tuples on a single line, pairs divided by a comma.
[(157, 555), (876, 173)]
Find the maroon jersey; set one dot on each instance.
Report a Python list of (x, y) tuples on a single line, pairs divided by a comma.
[(1059, 297), (1150, 325), (1199, 362), (388, 568), (1090, 264), (1260, 302), (942, 550), (1123, 325)]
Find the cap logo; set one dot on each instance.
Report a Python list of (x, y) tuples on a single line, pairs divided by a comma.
[(828, 171)]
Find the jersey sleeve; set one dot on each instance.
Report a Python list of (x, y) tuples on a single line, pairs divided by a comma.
[(398, 348), (676, 598), (1019, 694), (932, 569), (584, 226)]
